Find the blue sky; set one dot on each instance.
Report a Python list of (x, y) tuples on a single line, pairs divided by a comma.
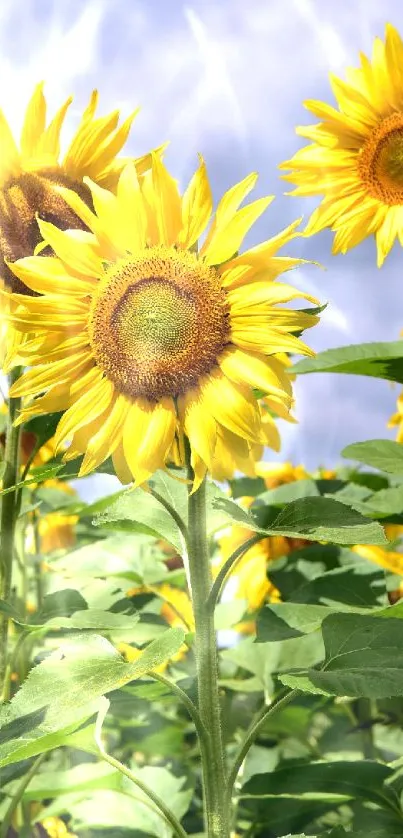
[(228, 78)]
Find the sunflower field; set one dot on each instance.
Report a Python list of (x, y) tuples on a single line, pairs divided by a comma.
[(213, 646)]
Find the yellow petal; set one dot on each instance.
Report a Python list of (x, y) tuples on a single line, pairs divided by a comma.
[(106, 440), (257, 258), (197, 206), (86, 409), (38, 380), (165, 203), (232, 405), (10, 158), (153, 447), (48, 275), (132, 207), (268, 341), (49, 143), (199, 425), (74, 247), (104, 153), (227, 239), (255, 370), (263, 295), (120, 465), (34, 123), (90, 134)]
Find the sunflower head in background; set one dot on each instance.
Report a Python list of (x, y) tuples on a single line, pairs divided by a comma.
[(356, 157), (29, 173), (142, 341)]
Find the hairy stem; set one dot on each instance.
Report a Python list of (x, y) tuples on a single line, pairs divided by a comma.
[(212, 750), (9, 514), (251, 734)]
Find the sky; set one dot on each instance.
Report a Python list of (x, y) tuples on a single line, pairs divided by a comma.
[(228, 79)]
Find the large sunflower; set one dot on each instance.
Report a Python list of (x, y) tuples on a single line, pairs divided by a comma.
[(356, 157), (142, 340)]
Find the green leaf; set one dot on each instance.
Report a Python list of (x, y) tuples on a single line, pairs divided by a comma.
[(384, 503), (43, 427), (92, 619), (118, 555), (359, 585), (247, 487), (289, 492), (378, 360), (139, 511), (112, 809), (313, 518), (63, 691), (38, 475), (364, 779), (383, 454), (364, 657), (61, 604), (283, 620)]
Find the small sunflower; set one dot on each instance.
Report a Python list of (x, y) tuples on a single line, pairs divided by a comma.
[(141, 340), (356, 158)]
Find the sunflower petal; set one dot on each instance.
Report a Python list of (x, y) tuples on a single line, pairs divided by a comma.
[(197, 206), (108, 437), (74, 247)]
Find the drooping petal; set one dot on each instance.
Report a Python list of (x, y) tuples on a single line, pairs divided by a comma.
[(232, 405), (108, 437), (255, 370)]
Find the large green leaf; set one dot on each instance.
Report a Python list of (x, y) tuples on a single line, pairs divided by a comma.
[(379, 360), (313, 518), (62, 692), (283, 620), (383, 454), (364, 657), (141, 512), (352, 779)]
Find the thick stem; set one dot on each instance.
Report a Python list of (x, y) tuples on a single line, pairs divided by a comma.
[(212, 751), (9, 516)]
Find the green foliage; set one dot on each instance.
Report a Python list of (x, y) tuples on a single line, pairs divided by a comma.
[(378, 360)]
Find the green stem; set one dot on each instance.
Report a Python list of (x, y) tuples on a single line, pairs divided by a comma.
[(363, 714), (212, 750), (9, 516), (227, 567), (186, 701), (16, 798), (257, 723), (159, 804)]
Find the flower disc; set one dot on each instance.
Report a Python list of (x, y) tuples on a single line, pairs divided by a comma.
[(158, 323), (381, 162)]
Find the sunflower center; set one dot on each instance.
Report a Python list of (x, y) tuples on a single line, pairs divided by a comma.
[(381, 161), (158, 323), (20, 200)]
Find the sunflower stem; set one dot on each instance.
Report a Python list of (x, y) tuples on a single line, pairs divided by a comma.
[(9, 515), (211, 746)]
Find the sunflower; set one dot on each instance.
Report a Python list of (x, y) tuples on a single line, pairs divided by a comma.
[(356, 157), (30, 173), (141, 340)]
